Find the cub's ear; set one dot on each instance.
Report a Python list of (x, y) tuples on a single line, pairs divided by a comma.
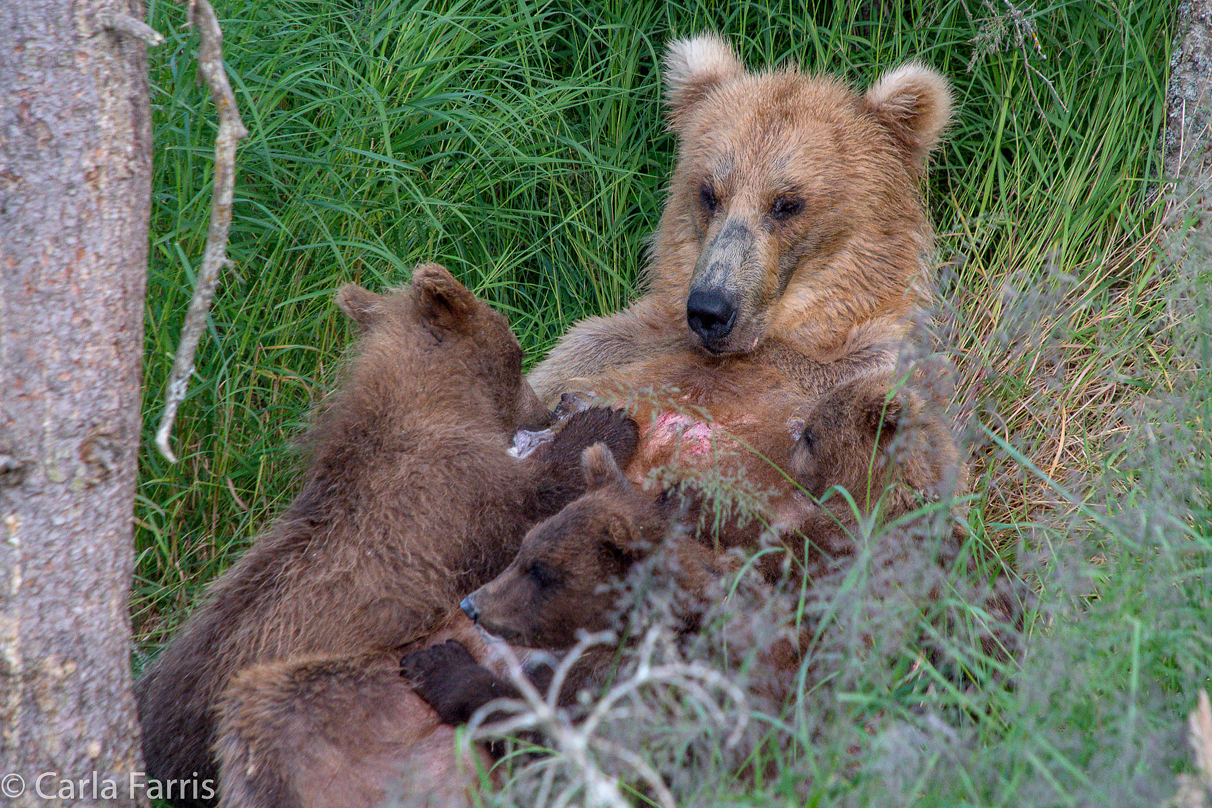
[(442, 302), (914, 102), (597, 462), (883, 415), (360, 305), (795, 426), (693, 68), (617, 549)]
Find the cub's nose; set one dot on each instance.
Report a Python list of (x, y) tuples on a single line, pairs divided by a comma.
[(710, 315), (469, 608)]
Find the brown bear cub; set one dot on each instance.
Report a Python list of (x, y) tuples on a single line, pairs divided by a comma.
[(880, 445), (794, 229), (410, 500), (553, 587), (886, 444), (556, 586), (881, 437), (886, 449)]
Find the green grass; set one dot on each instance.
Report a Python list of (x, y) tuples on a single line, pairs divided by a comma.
[(521, 145)]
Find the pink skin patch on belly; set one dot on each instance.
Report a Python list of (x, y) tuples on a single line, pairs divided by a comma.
[(675, 439), (693, 435)]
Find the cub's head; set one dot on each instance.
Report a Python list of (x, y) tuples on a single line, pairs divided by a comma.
[(794, 206), (557, 583), (866, 434), (437, 330)]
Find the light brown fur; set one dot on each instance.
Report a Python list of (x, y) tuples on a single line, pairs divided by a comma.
[(699, 423), (410, 500), (795, 203), (789, 260)]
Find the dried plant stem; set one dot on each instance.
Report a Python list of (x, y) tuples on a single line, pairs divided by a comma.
[(231, 130), (580, 744)]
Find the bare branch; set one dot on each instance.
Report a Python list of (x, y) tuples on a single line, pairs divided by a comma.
[(132, 26), (231, 130)]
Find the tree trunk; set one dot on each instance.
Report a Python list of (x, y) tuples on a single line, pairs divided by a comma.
[(75, 169), (1187, 150)]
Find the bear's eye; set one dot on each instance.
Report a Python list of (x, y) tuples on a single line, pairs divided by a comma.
[(543, 575), (620, 558), (809, 438), (785, 207), (707, 198)]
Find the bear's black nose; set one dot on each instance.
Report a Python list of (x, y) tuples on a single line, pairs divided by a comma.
[(710, 315), (469, 608)]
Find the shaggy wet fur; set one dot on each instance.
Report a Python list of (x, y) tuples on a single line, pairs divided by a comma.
[(410, 500)]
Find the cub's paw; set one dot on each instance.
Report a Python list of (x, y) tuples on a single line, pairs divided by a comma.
[(448, 678), (434, 661), (570, 404), (526, 442), (597, 425)]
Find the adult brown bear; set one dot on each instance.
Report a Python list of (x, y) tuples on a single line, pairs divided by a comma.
[(790, 257), (794, 228)]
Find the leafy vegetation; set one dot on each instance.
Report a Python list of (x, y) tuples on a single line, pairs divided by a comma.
[(521, 145)]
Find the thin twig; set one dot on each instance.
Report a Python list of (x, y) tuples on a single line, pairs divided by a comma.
[(231, 130)]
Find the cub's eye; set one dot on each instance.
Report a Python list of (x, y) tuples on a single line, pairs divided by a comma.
[(543, 575), (620, 558), (785, 207), (808, 438), (707, 198)]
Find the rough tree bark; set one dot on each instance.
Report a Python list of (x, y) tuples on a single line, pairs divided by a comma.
[(1187, 150), (75, 167)]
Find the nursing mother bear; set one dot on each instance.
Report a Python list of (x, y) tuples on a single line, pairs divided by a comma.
[(790, 255)]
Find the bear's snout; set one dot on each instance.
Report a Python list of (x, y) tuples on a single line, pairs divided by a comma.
[(469, 608), (711, 315)]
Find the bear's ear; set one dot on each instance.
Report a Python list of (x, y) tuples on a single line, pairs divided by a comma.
[(360, 305), (795, 427), (617, 548), (442, 302), (882, 416), (914, 102), (693, 68), (597, 462)]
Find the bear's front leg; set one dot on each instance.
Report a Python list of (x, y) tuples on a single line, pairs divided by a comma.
[(645, 330)]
